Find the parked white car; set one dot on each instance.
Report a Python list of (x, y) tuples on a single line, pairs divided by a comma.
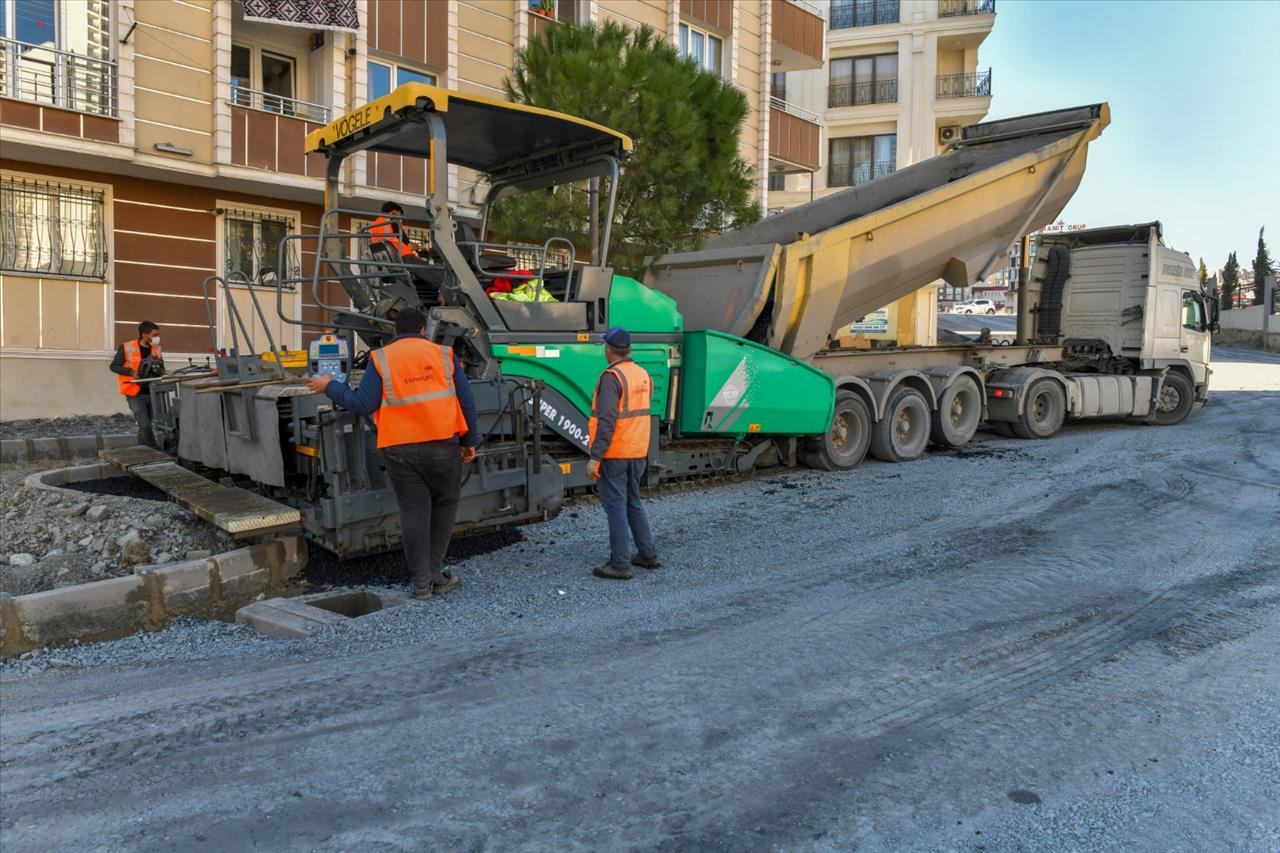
[(974, 306)]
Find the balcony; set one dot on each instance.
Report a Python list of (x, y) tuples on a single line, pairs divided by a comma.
[(794, 137), (57, 91), (856, 174), (975, 85), (958, 8), (863, 13), (269, 132), (799, 36), (861, 94)]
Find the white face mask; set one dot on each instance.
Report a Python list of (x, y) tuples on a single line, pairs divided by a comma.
[(155, 339)]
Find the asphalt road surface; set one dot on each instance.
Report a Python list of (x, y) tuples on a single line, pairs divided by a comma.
[(1065, 644)]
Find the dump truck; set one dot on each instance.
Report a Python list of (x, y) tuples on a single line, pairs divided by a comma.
[(736, 335)]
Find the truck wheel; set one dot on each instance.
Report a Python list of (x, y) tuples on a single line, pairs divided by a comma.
[(903, 432), (1044, 412), (959, 411), (1177, 396), (845, 444)]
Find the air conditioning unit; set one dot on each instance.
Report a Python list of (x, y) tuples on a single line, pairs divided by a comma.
[(948, 134)]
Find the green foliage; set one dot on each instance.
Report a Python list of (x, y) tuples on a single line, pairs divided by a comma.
[(1230, 281), (1262, 267), (684, 178)]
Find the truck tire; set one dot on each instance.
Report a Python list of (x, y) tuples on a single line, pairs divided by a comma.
[(902, 434), (1177, 397), (1044, 412), (959, 410), (845, 444)]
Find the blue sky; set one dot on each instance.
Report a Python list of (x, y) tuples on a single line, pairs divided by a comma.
[(1194, 89)]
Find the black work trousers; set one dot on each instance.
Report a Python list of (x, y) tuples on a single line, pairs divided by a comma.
[(427, 479), (140, 405)]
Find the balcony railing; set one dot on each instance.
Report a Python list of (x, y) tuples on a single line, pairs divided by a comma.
[(60, 78), (798, 112), (956, 8), (863, 13), (242, 96), (976, 85), (854, 174), (860, 94)]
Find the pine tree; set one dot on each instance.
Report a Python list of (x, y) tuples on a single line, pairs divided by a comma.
[(684, 178), (1202, 275), (1230, 281), (1262, 267)]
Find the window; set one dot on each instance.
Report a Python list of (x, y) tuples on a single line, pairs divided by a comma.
[(264, 80), (706, 50), (251, 243), (778, 86), (864, 80), (1192, 312), (51, 228), (383, 77), (777, 182), (58, 52), (863, 13), (854, 160)]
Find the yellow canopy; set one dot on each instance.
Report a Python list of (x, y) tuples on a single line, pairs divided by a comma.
[(482, 133)]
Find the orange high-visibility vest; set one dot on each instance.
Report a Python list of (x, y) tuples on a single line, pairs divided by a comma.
[(631, 435), (384, 232), (133, 361), (419, 400)]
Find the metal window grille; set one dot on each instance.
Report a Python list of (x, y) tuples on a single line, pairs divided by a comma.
[(52, 228), (251, 244)]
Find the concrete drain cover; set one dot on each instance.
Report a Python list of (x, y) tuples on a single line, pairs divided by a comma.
[(304, 615)]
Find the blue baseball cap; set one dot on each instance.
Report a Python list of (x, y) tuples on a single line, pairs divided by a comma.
[(617, 337)]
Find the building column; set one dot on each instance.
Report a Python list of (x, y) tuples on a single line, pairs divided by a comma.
[(125, 16), (221, 82), (766, 71), (358, 174)]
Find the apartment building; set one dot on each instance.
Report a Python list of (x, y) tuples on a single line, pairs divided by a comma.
[(149, 145), (902, 79)]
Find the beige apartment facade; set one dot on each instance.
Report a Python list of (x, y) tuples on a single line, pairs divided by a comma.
[(146, 146)]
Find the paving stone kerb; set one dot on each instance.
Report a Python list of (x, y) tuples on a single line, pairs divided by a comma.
[(146, 601), (19, 450)]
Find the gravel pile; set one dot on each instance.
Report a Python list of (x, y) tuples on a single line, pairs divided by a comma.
[(53, 539), (57, 427)]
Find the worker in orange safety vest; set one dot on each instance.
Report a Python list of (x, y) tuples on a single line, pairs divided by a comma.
[(419, 398), (389, 229), (127, 364), (618, 441)]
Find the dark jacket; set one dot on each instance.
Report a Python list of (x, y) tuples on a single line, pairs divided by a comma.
[(367, 397), (117, 363)]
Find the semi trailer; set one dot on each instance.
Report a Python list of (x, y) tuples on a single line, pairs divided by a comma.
[(736, 335)]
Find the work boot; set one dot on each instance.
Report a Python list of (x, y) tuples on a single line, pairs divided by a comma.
[(609, 572), (451, 582), (646, 562), (422, 593)]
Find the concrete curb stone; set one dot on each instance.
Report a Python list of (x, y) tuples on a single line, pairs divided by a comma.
[(18, 450), (146, 601)]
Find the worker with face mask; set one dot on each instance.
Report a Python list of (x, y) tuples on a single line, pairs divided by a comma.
[(128, 366)]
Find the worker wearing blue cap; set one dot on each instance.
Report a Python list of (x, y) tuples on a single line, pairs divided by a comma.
[(619, 434)]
